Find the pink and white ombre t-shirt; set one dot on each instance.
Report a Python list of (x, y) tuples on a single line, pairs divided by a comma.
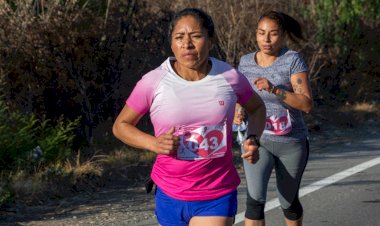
[(202, 113)]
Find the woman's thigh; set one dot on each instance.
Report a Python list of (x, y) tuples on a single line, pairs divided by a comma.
[(257, 175), (290, 163), (214, 220)]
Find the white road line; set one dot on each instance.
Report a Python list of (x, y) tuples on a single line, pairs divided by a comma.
[(318, 185)]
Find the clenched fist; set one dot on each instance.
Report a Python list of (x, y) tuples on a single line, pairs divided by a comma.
[(251, 151), (166, 143)]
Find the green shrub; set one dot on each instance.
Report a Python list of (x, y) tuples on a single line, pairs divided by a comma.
[(22, 137), (6, 195), (16, 137), (56, 141)]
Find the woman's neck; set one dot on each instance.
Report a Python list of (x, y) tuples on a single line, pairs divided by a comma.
[(265, 60), (191, 74)]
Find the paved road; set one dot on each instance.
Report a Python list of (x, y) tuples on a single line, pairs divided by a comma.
[(341, 186)]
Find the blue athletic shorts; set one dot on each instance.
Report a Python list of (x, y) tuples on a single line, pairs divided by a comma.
[(174, 212)]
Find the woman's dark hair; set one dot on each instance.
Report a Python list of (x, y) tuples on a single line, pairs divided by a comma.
[(204, 19), (288, 24)]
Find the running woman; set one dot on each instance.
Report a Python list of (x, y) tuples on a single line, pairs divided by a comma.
[(191, 100), (280, 76)]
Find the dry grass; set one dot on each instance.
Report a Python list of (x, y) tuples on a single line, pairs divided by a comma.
[(125, 166), (130, 156), (24, 184), (85, 167), (362, 107), (366, 107)]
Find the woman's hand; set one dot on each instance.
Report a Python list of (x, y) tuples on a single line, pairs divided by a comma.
[(125, 130), (263, 84), (166, 143), (251, 151)]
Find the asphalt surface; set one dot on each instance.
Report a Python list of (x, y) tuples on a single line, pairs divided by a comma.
[(342, 187)]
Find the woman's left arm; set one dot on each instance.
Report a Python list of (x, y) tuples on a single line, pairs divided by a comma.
[(256, 123), (301, 97)]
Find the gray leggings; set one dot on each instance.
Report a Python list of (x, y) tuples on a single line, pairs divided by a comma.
[(289, 161)]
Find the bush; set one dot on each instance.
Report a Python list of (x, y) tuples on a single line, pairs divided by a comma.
[(26, 140)]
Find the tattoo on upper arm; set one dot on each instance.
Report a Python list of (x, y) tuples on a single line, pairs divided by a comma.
[(298, 87)]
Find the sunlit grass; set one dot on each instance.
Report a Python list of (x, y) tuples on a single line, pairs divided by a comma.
[(367, 107), (50, 181), (130, 156), (362, 107)]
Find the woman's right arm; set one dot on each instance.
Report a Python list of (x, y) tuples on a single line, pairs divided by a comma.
[(124, 128)]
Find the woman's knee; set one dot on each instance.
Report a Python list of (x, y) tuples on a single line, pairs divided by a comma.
[(295, 211), (255, 209)]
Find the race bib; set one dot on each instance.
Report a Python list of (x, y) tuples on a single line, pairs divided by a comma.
[(278, 124), (204, 142)]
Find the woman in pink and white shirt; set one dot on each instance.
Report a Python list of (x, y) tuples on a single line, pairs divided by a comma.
[(191, 100)]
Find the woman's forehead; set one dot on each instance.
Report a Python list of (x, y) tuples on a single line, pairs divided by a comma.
[(188, 25), (189, 22)]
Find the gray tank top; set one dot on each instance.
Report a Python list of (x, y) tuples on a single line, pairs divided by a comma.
[(278, 73)]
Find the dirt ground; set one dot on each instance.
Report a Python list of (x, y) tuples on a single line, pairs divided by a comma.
[(123, 204)]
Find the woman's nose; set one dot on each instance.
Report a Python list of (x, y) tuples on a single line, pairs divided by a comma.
[(267, 38), (187, 42)]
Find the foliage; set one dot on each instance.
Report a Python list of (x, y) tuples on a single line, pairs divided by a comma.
[(6, 195), (56, 141), (347, 16), (26, 140), (53, 72), (346, 43)]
